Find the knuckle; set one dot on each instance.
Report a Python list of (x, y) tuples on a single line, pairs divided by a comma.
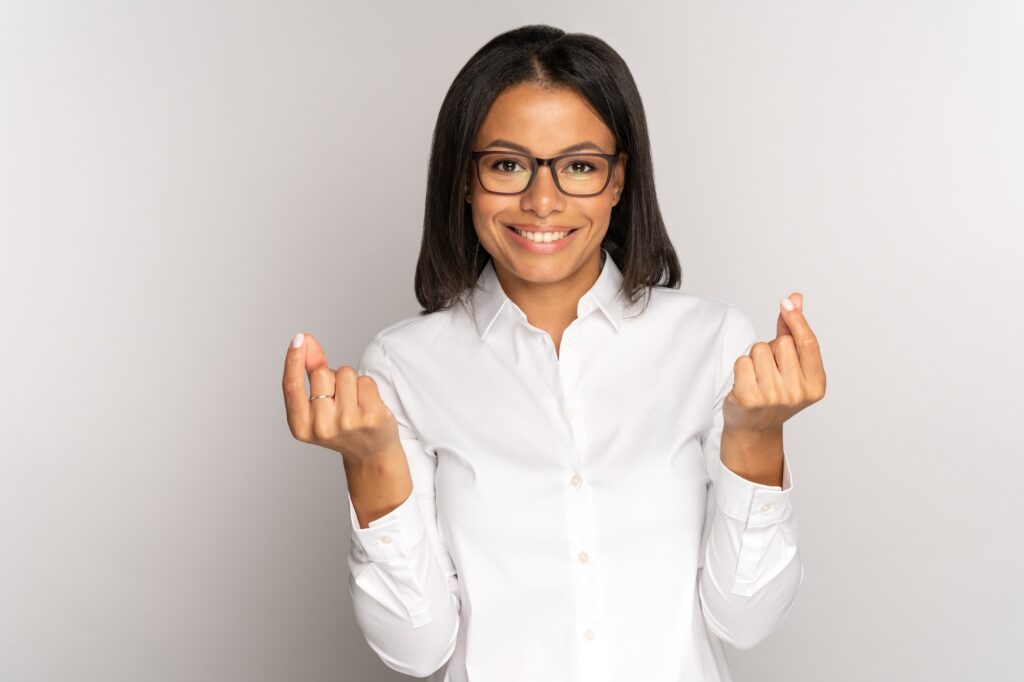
[(809, 343), (373, 420), (324, 429), (349, 423), (321, 373)]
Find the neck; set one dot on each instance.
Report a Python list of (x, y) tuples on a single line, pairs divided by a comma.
[(551, 305)]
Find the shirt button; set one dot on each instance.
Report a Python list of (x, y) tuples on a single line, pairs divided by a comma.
[(386, 539), (589, 634), (584, 557), (576, 480), (571, 412), (765, 507)]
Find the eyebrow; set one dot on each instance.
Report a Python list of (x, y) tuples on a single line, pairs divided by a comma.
[(579, 146)]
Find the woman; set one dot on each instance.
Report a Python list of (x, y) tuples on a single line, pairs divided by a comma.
[(550, 478)]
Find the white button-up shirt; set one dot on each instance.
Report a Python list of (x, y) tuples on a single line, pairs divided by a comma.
[(571, 518)]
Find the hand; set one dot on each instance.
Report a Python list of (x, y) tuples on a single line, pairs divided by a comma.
[(777, 379), (355, 422)]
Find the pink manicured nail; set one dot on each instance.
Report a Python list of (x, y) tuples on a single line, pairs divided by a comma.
[(787, 304), (297, 341)]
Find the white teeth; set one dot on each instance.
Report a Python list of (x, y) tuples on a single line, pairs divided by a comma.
[(541, 237)]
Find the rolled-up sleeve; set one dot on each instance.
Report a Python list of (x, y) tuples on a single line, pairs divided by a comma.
[(750, 568), (402, 579)]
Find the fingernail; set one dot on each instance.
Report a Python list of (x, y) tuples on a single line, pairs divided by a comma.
[(297, 341), (787, 304)]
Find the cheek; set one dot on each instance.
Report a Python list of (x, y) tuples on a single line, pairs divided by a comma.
[(486, 209), (599, 212)]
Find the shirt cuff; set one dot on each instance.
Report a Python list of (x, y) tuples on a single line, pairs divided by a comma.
[(392, 536), (753, 503)]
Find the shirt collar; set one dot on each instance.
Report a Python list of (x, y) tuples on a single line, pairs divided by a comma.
[(488, 298)]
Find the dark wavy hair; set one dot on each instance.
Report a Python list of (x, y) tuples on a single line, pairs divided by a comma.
[(450, 259)]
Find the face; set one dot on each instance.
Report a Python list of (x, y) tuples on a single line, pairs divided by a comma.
[(545, 121)]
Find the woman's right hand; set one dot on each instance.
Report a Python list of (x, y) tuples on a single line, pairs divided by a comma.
[(355, 422)]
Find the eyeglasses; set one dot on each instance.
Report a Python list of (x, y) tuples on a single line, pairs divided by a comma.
[(578, 175)]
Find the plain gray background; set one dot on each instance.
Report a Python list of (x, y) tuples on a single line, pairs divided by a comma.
[(186, 185)]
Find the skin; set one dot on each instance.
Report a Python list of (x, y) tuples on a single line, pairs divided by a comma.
[(547, 287), (772, 383)]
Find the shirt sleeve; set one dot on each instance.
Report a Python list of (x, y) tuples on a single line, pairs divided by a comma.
[(750, 568), (402, 579)]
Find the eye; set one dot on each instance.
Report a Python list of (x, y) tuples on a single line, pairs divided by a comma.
[(503, 165), (575, 167)]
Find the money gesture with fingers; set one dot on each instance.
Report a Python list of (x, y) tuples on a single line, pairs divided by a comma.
[(344, 411), (778, 378)]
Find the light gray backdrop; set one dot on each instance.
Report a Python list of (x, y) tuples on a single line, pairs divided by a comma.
[(186, 185)]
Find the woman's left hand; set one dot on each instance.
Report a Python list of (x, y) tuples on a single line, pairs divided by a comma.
[(777, 379)]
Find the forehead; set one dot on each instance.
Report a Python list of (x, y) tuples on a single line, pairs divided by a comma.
[(543, 119)]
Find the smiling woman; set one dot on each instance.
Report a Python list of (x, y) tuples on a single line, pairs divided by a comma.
[(539, 486), (543, 131)]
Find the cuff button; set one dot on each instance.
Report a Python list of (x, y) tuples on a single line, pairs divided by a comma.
[(765, 507), (386, 539)]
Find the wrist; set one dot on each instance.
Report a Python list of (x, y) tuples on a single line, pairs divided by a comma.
[(754, 455), (752, 438), (378, 484)]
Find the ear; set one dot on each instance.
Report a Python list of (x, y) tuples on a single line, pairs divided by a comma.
[(620, 173)]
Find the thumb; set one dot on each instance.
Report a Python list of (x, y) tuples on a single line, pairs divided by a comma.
[(315, 356), (781, 327)]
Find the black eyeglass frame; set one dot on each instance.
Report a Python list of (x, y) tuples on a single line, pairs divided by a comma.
[(475, 156)]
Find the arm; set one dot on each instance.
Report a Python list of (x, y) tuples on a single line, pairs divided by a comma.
[(401, 576), (750, 568)]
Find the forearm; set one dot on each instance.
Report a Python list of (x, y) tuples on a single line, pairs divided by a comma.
[(756, 456), (752, 568), (405, 598), (378, 485)]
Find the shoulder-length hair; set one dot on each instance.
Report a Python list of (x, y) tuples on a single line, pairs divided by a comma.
[(450, 259)]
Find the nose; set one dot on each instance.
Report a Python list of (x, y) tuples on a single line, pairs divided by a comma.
[(543, 194)]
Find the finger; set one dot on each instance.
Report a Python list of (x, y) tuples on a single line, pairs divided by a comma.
[(316, 367), (806, 342), (744, 383), (321, 382), (788, 362), (315, 356), (781, 327), (296, 402), (347, 400), (369, 396), (769, 380), (347, 394)]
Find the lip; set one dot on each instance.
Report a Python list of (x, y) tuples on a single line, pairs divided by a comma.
[(550, 247)]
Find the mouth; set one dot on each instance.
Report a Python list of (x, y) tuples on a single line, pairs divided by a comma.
[(545, 244), (542, 236)]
